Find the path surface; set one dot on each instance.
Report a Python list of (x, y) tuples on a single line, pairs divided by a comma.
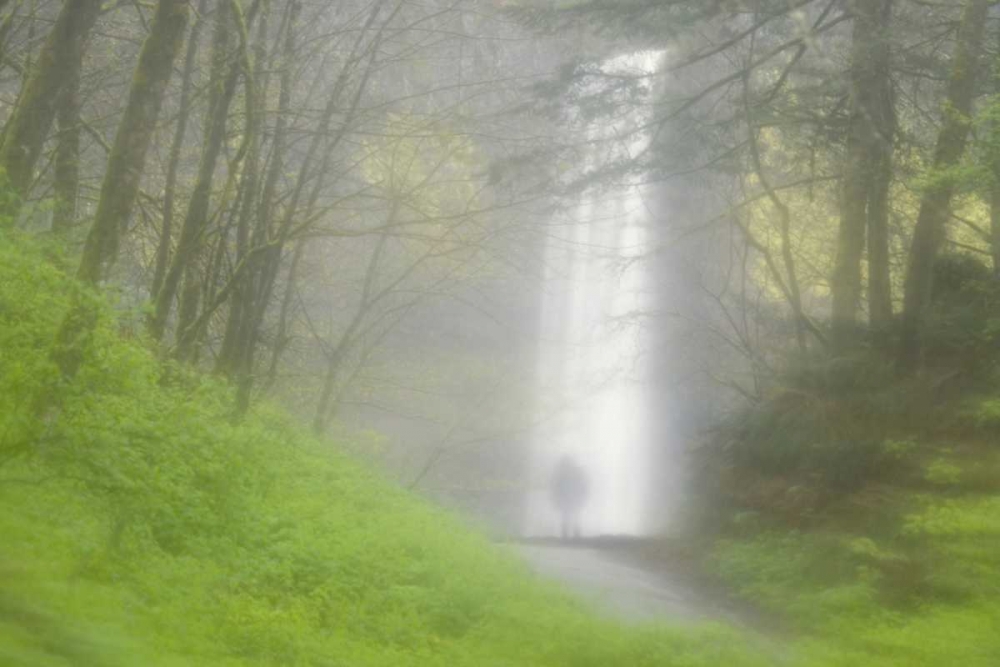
[(623, 588)]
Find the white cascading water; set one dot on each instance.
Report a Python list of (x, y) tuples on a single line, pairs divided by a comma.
[(593, 403)]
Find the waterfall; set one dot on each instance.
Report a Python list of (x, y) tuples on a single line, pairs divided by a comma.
[(593, 402)]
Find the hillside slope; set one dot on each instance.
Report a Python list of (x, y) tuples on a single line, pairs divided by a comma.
[(139, 526)]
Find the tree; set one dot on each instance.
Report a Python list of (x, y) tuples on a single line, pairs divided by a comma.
[(163, 245), (935, 205), (866, 177), (120, 185), (50, 85), (222, 87), (248, 304), (66, 171)]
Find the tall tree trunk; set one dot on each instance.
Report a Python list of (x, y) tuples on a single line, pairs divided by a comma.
[(281, 337), (880, 312), (66, 181), (336, 356), (995, 219), (58, 63), (5, 28), (227, 361), (233, 356), (173, 162), (187, 312), (251, 300), (993, 148), (935, 204), (191, 332), (128, 153), (222, 88), (883, 119), (867, 174)]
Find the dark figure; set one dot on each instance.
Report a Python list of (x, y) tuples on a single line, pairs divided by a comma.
[(569, 494)]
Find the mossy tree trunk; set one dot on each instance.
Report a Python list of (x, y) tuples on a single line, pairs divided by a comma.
[(249, 302), (66, 179), (192, 325), (174, 159), (248, 213), (281, 336), (58, 65), (128, 153), (993, 162), (867, 176), (222, 87), (882, 117), (935, 205)]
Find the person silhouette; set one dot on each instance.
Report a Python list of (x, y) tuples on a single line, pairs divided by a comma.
[(569, 495)]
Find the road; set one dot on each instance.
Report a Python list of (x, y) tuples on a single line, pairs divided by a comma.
[(622, 588)]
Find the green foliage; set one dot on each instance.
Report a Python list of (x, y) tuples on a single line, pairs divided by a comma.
[(902, 565), (986, 413), (942, 472), (141, 526), (829, 422), (958, 518), (915, 600), (961, 328), (899, 450)]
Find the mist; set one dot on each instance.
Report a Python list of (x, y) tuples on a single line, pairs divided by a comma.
[(499, 332)]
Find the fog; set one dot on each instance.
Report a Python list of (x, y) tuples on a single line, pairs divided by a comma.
[(477, 332)]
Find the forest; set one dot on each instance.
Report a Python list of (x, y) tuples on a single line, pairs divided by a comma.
[(555, 333)]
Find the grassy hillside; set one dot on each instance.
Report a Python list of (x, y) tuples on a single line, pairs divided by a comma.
[(139, 526)]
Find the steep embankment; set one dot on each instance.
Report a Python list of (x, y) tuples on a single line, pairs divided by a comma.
[(139, 526)]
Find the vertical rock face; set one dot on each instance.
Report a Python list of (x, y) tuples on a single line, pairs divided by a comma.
[(593, 393)]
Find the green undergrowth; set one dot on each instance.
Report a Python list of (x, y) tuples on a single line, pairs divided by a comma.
[(919, 598), (863, 511), (140, 526)]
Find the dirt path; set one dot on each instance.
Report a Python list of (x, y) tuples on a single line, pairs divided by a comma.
[(624, 587)]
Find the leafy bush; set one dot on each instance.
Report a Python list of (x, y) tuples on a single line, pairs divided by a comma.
[(961, 327), (826, 425)]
